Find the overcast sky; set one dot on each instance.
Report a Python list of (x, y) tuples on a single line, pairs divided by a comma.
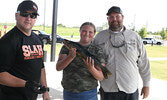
[(149, 13)]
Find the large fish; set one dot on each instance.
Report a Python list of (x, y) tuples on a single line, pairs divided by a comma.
[(83, 53)]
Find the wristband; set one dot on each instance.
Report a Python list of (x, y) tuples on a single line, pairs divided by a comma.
[(47, 89)]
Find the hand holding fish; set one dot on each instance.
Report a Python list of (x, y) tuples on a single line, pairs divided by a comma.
[(89, 63), (83, 53), (72, 53), (96, 72)]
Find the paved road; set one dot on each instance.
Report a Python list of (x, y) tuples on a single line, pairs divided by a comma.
[(157, 90)]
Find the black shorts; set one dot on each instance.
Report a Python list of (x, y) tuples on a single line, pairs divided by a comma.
[(118, 95)]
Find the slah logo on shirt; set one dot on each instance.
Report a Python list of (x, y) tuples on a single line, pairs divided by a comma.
[(32, 53)]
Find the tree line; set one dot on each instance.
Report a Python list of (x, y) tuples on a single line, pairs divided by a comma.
[(143, 33)]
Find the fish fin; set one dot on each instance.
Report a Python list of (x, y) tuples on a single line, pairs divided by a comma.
[(105, 75), (106, 72)]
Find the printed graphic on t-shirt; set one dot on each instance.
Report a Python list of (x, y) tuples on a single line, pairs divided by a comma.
[(33, 52)]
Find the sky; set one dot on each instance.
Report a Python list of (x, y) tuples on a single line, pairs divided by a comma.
[(151, 14)]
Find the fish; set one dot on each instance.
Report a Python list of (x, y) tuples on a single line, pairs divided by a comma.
[(83, 53)]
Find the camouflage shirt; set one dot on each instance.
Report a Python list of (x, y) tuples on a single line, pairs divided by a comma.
[(76, 76)]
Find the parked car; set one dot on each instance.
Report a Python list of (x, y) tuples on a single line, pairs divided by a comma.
[(46, 38), (148, 40), (58, 38)]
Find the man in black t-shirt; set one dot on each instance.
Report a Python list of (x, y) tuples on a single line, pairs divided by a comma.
[(22, 72)]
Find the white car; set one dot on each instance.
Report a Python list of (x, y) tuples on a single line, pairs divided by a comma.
[(148, 40)]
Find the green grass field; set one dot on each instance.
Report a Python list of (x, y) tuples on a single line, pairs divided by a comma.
[(156, 51), (159, 69), (48, 48)]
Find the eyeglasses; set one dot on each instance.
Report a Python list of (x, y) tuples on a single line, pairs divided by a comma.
[(117, 46), (25, 14)]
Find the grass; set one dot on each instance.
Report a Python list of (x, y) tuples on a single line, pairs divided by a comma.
[(63, 31), (159, 69), (48, 48), (156, 51)]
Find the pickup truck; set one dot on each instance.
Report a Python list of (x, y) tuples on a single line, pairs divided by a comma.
[(151, 41)]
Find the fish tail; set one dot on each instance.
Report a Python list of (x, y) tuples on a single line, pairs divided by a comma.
[(105, 75), (106, 72)]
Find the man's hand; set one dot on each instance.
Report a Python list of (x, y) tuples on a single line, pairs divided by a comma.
[(46, 96), (35, 87), (145, 92)]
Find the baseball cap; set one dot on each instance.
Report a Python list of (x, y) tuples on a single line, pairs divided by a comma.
[(114, 9), (28, 5)]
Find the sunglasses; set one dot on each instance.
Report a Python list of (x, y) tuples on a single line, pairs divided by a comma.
[(25, 14), (117, 46)]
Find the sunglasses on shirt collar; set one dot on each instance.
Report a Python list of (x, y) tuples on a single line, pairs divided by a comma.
[(25, 14), (121, 45)]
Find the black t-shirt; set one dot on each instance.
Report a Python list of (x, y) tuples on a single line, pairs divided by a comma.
[(21, 55)]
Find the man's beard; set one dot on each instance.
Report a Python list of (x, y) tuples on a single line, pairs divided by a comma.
[(115, 27)]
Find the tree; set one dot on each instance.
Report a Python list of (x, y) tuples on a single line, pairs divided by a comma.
[(131, 27), (142, 32), (163, 34), (61, 25)]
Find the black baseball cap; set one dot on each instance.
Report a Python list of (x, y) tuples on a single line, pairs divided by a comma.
[(114, 9), (28, 5)]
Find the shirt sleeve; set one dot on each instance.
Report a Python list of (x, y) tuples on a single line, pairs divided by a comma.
[(64, 50), (144, 64)]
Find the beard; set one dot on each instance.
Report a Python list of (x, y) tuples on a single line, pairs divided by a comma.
[(115, 27)]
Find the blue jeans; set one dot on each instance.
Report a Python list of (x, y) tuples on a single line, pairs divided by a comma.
[(87, 95)]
